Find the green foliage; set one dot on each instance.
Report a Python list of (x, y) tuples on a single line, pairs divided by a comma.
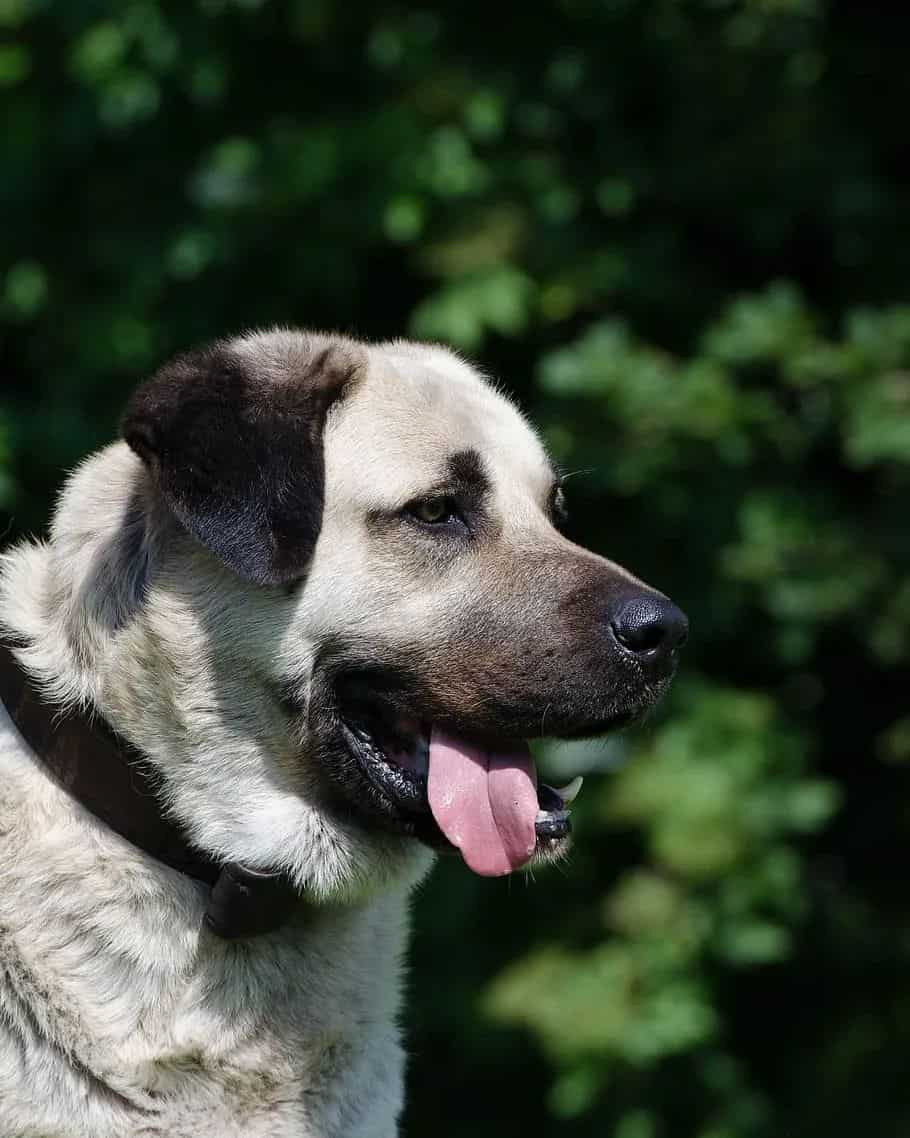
[(673, 229), (718, 796)]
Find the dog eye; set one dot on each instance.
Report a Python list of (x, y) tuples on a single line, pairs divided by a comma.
[(558, 509), (434, 511)]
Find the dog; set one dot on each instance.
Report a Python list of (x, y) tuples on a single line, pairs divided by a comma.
[(313, 603)]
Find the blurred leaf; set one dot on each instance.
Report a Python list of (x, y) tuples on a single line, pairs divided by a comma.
[(772, 326), (498, 300), (26, 289), (98, 52), (878, 427), (15, 64)]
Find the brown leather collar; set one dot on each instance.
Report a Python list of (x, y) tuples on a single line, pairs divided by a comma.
[(115, 782)]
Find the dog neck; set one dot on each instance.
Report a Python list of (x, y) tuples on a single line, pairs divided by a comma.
[(110, 778)]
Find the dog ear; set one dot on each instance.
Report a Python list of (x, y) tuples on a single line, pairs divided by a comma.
[(232, 435)]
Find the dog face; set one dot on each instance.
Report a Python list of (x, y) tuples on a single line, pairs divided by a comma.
[(354, 608)]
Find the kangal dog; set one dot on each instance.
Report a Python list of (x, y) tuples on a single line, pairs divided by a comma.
[(313, 604)]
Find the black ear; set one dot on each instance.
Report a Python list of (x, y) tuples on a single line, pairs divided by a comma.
[(232, 434)]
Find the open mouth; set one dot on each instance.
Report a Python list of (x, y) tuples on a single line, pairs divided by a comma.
[(481, 795)]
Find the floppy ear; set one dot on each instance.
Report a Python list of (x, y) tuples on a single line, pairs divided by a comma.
[(232, 435)]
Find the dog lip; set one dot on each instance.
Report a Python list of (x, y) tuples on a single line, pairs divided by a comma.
[(406, 790), (552, 822), (373, 724)]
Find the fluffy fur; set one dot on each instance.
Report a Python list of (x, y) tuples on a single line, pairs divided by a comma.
[(119, 1014)]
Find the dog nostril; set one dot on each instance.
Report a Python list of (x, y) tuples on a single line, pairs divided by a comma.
[(640, 637), (649, 625)]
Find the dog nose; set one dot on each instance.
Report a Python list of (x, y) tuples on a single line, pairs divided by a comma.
[(649, 626)]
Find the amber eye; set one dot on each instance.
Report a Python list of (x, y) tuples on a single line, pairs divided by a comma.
[(433, 511)]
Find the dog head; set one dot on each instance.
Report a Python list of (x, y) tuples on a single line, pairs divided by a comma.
[(352, 608)]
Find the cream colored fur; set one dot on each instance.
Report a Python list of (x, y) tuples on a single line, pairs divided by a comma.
[(119, 1015)]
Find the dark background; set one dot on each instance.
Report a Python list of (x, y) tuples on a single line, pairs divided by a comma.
[(678, 232)]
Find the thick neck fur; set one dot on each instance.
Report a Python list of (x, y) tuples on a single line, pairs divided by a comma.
[(119, 1014)]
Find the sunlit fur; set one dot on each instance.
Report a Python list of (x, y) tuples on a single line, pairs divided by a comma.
[(118, 1014)]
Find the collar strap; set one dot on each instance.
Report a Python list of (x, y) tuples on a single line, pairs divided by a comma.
[(114, 781)]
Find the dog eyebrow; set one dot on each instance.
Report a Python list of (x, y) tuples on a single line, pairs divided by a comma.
[(467, 474), (464, 475)]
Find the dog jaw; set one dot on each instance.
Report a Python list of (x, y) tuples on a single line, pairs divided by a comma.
[(185, 655), (181, 668)]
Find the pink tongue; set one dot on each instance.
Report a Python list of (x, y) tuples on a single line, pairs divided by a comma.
[(485, 803)]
